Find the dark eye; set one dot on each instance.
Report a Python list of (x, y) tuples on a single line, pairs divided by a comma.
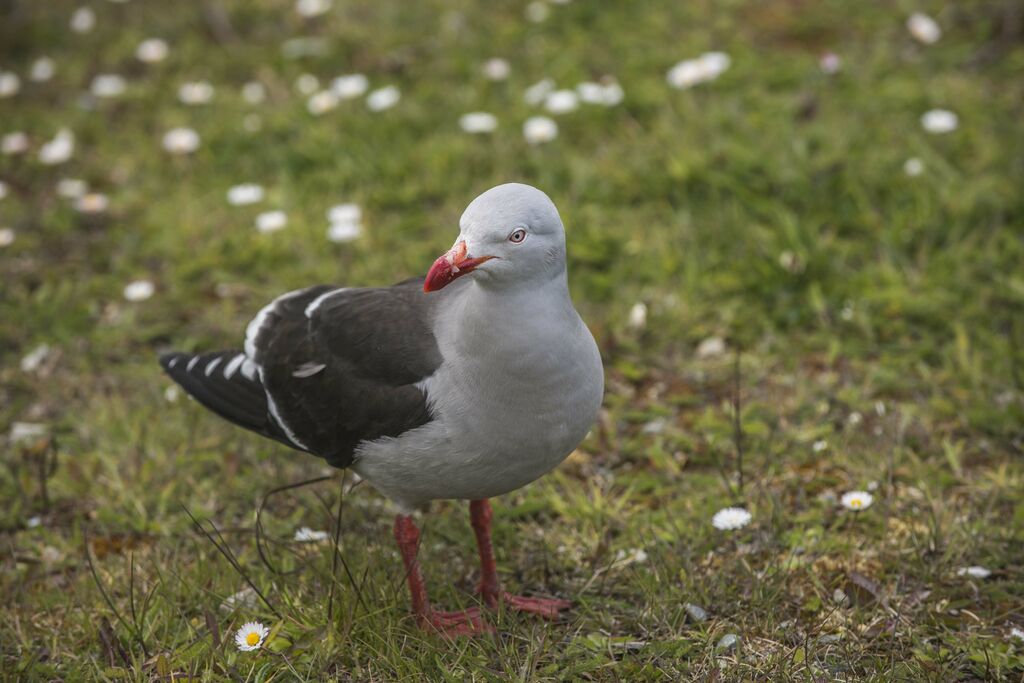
[(517, 236)]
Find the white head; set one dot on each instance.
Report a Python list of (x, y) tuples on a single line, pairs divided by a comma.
[(510, 236)]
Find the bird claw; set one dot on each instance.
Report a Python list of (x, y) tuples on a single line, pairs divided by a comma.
[(549, 608), (468, 622)]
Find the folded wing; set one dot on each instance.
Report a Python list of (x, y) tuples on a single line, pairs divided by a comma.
[(324, 369)]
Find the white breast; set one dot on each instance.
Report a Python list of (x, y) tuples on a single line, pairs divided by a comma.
[(519, 388)]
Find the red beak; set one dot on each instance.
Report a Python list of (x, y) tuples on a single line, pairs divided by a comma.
[(449, 266)]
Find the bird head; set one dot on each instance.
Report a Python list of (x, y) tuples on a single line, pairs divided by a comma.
[(509, 236)]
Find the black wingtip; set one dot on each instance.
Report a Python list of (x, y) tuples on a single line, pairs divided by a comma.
[(235, 397), (169, 360)]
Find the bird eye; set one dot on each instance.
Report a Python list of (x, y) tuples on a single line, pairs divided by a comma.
[(517, 236)]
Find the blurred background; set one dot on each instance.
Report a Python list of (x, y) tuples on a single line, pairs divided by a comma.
[(795, 228)]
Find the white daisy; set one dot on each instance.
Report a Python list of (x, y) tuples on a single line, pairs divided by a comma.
[(590, 92), (253, 92), (913, 167), (345, 222), (730, 519), (93, 203), (181, 141), (624, 557), (856, 500), (307, 535), (537, 11), (924, 29), (939, 121), (638, 316), (322, 102), (613, 94), (691, 72), (539, 129), (685, 74), (10, 84), (42, 70), (83, 20), (350, 86), (250, 637), (139, 290), (6, 237), (830, 63), (244, 194), (478, 122), (710, 348), (496, 69), (312, 8), (32, 360), (819, 446), (195, 93), (307, 84), (108, 85), (14, 143), (715, 63), (271, 221), (538, 92), (71, 188), (172, 393), (27, 431), (607, 95), (59, 149), (152, 50), (345, 213), (562, 101), (1017, 633), (383, 98), (344, 232), (975, 572)]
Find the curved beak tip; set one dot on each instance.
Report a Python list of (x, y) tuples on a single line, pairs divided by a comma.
[(439, 275), (449, 266)]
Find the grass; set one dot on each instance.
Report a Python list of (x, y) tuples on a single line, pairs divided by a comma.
[(877, 313)]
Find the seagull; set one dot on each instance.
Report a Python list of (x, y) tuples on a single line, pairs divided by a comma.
[(465, 384)]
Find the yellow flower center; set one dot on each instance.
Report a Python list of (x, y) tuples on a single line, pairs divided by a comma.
[(252, 638), (855, 503)]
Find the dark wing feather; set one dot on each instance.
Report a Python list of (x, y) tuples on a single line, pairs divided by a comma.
[(324, 369), (234, 395), (347, 371)]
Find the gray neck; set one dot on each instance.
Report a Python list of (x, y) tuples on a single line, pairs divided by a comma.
[(510, 320)]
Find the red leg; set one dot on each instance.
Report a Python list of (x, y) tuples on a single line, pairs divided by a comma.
[(490, 588), (466, 622), (480, 517)]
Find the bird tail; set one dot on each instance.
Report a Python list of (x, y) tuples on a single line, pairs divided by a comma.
[(227, 383)]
